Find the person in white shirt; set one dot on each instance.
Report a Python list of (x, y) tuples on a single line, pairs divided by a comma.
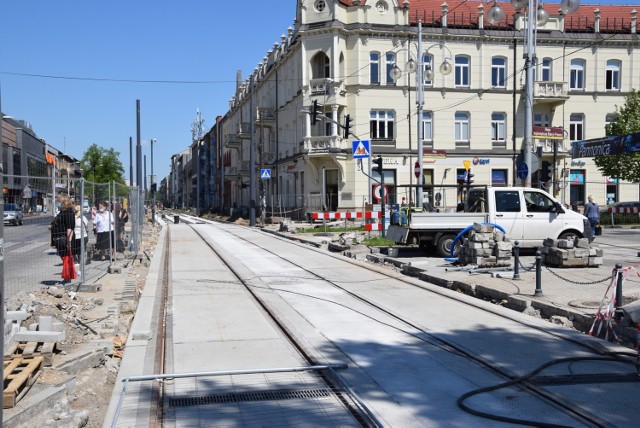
[(80, 233), (104, 228)]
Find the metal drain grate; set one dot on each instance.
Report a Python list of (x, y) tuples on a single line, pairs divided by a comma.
[(239, 397)]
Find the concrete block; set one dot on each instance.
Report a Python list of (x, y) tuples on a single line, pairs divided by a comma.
[(16, 315), (581, 252), (87, 288), (563, 243), (45, 323), (474, 245), (498, 236), (141, 335), (596, 261), (581, 243), (549, 242), (545, 250), (482, 228), (480, 237), (115, 269), (504, 246), (593, 252), (39, 336)]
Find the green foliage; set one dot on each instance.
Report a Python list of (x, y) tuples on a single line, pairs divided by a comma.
[(627, 121), (101, 166), (378, 242)]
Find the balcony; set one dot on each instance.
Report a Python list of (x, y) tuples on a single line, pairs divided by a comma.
[(244, 130), (550, 92), (326, 91), (232, 141), (265, 116), (324, 144)]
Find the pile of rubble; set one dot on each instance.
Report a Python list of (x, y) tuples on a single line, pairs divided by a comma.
[(486, 247), (566, 253)]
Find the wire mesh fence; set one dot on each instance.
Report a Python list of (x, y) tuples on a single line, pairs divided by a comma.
[(31, 257)]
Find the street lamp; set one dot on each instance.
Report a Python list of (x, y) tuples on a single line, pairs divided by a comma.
[(153, 187), (536, 16), (419, 68)]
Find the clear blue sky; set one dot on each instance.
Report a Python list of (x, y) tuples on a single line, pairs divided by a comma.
[(191, 40), (135, 40)]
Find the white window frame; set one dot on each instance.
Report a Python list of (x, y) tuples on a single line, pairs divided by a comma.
[(461, 132), (547, 70), (612, 75), (576, 127), (462, 71), (498, 72), (427, 127), (427, 64), (384, 124), (498, 127), (374, 78), (390, 62), (576, 75)]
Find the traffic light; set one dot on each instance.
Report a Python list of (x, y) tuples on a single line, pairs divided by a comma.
[(546, 173), (378, 163), (314, 113), (469, 178), (347, 126), (154, 187)]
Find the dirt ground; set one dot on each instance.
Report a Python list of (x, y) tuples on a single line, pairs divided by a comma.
[(85, 325)]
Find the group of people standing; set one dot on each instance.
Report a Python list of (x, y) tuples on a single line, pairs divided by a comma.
[(69, 228)]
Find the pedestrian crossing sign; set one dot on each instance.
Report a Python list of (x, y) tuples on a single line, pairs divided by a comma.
[(361, 149), (265, 174)]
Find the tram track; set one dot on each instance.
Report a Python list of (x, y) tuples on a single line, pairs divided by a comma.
[(425, 336)]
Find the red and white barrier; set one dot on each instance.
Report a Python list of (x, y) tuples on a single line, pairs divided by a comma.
[(338, 215), (373, 226), (624, 210)]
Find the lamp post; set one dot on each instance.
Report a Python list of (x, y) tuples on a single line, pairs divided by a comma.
[(536, 16), (410, 67), (153, 187)]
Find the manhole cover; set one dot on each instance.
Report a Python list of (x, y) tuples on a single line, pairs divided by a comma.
[(587, 304)]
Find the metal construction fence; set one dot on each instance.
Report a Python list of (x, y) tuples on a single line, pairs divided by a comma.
[(30, 259)]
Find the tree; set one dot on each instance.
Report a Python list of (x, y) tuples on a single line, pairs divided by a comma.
[(100, 167), (626, 121)]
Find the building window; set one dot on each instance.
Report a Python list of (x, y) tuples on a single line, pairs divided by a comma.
[(498, 128), (461, 125), (427, 127), (381, 125), (576, 127), (499, 177), (576, 74), (612, 75), (609, 119), (462, 71), (577, 187), (374, 68), (546, 69), (390, 62), (427, 64), (498, 72)]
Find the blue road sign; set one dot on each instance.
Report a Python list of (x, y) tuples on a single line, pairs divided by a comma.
[(361, 149), (265, 174), (523, 170)]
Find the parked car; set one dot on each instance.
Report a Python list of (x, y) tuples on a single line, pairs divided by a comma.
[(12, 214)]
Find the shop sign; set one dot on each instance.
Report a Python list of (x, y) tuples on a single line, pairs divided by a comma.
[(579, 164), (478, 161), (434, 154), (547, 133)]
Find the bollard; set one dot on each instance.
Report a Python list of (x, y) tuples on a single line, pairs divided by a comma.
[(516, 262), (176, 219), (619, 298), (538, 291)]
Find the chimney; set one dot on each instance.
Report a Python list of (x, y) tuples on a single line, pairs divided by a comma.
[(445, 11)]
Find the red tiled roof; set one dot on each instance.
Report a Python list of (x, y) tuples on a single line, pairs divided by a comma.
[(464, 13)]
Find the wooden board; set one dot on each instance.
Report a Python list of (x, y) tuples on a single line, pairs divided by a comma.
[(33, 349), (18, 376)]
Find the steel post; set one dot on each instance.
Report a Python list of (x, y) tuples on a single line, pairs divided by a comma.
[(538, 291)]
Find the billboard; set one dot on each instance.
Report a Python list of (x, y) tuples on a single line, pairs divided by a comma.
[(614, 145)]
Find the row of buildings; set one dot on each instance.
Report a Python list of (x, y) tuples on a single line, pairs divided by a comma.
[(355, 62), (34, 171)]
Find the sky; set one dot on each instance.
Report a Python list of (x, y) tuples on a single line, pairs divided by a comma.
[(141, 40), (74, 69)]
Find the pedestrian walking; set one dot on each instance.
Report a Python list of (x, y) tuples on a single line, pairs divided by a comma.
[(592, 212), (62, 235), (104, 225)]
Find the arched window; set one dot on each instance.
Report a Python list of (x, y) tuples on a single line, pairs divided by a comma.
[(374, 68), (320, 66), (463, 65), (612, 75), (576, 74), (498, 72)]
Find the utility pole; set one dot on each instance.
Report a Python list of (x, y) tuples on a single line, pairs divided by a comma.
[(140, 202)]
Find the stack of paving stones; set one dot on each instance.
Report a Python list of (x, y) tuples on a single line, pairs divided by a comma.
[(566, 253), (486, 246)]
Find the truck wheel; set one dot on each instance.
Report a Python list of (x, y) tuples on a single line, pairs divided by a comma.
[(444, 245), (570, 236)]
